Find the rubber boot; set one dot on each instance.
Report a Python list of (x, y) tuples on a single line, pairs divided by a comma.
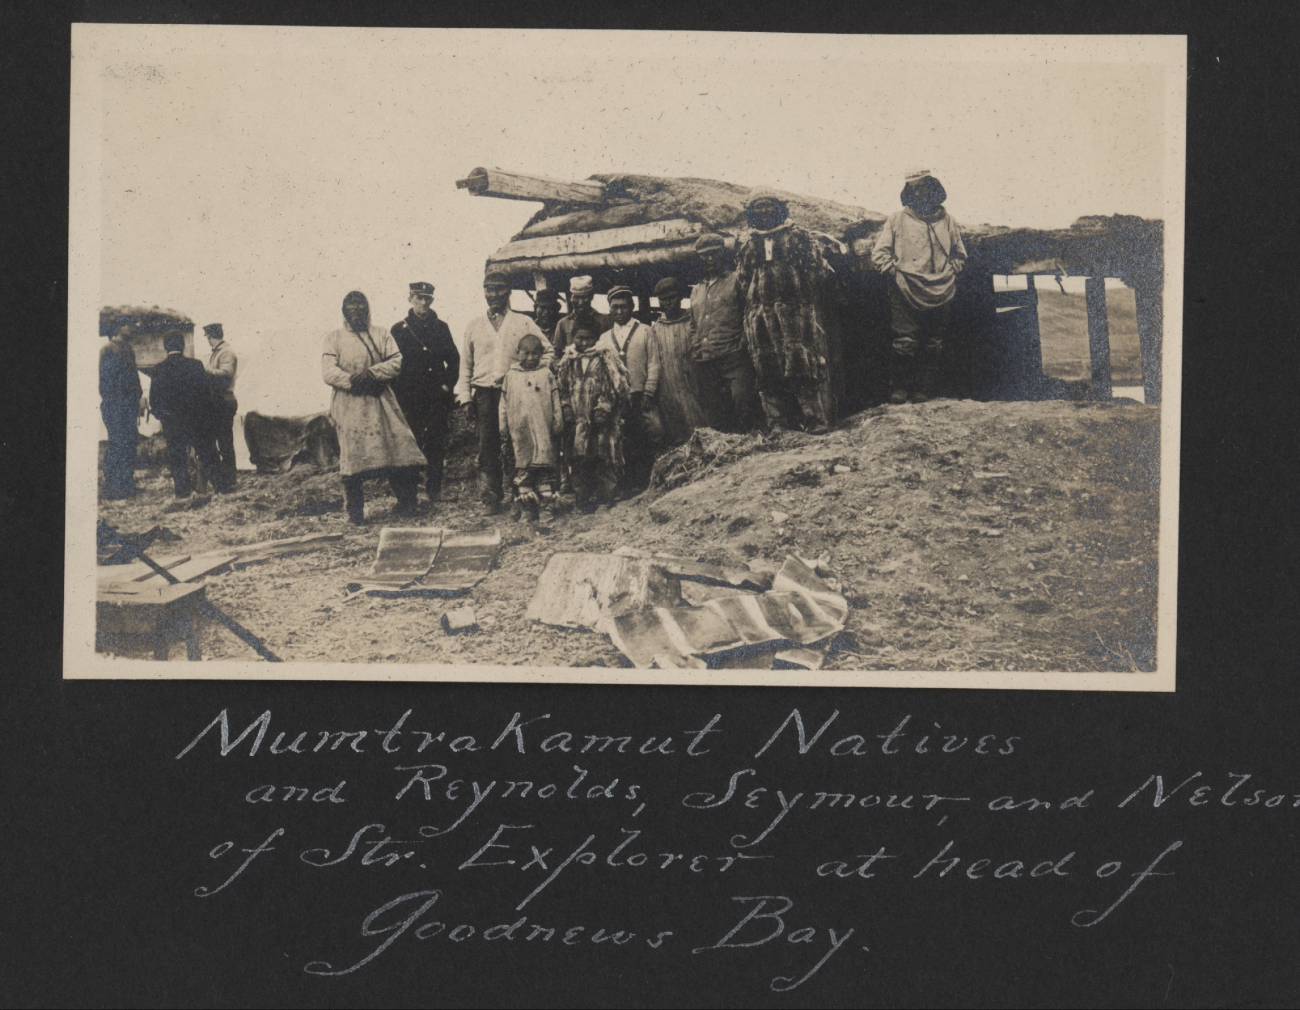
[(901, 368), (355, 498)]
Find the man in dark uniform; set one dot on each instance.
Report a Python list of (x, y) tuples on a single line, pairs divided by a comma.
[(120, 399), (179, 397), (430, 370)]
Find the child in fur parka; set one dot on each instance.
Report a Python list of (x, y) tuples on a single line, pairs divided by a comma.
[(594, 398)]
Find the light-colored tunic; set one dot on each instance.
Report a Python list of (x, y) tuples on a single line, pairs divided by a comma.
[(925, 257), (678, 395), (489, 351), (373, 434), (222, 366), (638, 353), (531, 412)]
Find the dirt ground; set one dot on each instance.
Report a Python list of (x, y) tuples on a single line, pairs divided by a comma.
[(968, 536)]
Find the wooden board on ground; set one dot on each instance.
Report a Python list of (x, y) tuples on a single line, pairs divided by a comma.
[(247, 554), (404, 555), (193, 569), (463, 560), (137, 571)]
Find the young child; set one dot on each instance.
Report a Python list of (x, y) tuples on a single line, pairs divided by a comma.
[(531, 418), (594, 396)]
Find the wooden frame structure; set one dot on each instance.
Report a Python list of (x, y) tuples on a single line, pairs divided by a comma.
[(634, 230)]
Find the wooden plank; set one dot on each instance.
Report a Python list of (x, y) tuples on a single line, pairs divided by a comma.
[(248, 553), (137, 571), (1098, 336), (195, 568), (586, 220), (1149, 301), (583, 263), (517, 186), (653, 233)]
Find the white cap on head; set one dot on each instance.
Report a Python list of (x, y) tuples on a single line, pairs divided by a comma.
[(916, 175), (581, 285)]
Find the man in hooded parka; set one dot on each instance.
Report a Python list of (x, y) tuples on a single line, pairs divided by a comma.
[(920, 248), (360, 361), (792, 341)]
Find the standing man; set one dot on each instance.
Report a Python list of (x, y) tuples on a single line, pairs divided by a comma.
[(430, 371), (546, 313), (221, 368), (491, 346), (726, 373), (179, 398), (920, 247), (120, 403), (581, 292), (640, 356)]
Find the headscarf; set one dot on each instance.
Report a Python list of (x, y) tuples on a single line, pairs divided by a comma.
[(357, 298)]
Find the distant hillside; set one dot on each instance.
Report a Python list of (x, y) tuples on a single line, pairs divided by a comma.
[(1063, 326)]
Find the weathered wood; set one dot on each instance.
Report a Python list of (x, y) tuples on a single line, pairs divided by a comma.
[(195, 568), (136, 571), (1098, 336), (517, 186), (654, 233), (1149, 301), (615, 216), (582, 263)]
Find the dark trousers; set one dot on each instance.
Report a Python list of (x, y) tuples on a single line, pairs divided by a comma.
[(180, 437), (224, 424), (487, 402), (594, 480), (729, 391), (120, 418), (404, 480), (918, 342), (639, 444), (429, 424)]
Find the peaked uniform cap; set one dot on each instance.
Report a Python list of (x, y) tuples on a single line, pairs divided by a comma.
[(421, 288), (214, 330), (618, 291)]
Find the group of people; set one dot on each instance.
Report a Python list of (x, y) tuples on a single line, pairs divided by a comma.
[(572, 409), (195, 403)]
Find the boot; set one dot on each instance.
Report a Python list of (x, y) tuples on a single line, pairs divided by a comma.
[(489, 496), (927, 380), (901, 367), (355, 498)]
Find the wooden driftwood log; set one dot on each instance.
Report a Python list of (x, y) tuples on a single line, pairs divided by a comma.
[(516, 186)]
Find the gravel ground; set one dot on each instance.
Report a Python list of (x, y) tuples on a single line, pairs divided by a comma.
[(980, 536)]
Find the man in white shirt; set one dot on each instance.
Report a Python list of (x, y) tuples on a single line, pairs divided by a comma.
[(221, 368), (491, 346)]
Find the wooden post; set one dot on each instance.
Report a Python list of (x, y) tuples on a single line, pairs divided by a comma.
[(1149, 300), (1098, 335)]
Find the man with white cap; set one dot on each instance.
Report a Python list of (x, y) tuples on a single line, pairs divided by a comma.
[(581, 292), (920, 247), (490, 347)]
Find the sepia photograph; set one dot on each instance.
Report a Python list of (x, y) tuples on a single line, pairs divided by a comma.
[(705, 358)]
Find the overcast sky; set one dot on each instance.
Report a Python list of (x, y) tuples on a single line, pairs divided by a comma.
[(253, 176)]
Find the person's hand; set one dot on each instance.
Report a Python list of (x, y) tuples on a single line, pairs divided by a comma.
[(469, 411)]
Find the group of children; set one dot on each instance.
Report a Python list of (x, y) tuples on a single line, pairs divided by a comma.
[(565, 424)]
